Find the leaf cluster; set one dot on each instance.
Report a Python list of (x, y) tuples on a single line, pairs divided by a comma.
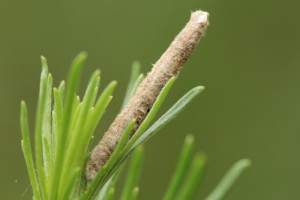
[(64, 128)]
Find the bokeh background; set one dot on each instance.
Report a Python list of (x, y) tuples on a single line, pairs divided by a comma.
[(249, 62)]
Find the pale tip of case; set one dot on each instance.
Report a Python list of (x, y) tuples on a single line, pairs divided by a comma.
[(200, 16)]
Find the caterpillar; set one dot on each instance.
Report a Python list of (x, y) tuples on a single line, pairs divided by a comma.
[(168, 65)]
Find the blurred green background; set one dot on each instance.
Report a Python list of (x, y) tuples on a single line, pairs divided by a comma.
[(249, 62)]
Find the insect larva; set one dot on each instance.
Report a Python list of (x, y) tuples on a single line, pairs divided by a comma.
[(167, 66)]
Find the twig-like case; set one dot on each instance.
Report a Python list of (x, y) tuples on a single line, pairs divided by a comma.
[(169, 65)]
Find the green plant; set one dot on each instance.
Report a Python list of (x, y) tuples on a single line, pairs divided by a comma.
[(64, 128)]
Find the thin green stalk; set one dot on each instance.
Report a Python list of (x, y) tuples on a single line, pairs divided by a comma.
[(109, 185), (110, 194), (46, 128), (134, 193), (69, 187), (94, 95), (229, 179), (61, 89), (53, 139), (136, 84), (75, 147), (97, 112), (102, 195), (73, 81), (26, 147), (135, 70), (47, 158), (181, 169), (133, 173), (57, 117), (191, 185), (77, 107), (39, 128)]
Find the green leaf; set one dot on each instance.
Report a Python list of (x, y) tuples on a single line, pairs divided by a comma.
[(134, 193), (26, 148), (135, 70), (110, 183), (46, 128), (229, 179), (138, 81), (97, 112), (61, 89), (73, 82), (168, 116), (191, 185), (47, 158), (133, 173), (110, 194), (105, 189), (39, 128), (69, 187), (76, 147), (181, 169), (57, 121)]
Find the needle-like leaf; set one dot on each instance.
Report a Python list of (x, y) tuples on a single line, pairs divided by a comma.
[(26, 147), (46, 128), (135, 70), (72, 84), (39, 128), (191, 185), (168, 116), (229, 179), (75, 153), (181, 169), (134, 193), (133, 173)]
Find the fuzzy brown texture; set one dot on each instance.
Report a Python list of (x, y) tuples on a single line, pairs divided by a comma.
[(167, 66)]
